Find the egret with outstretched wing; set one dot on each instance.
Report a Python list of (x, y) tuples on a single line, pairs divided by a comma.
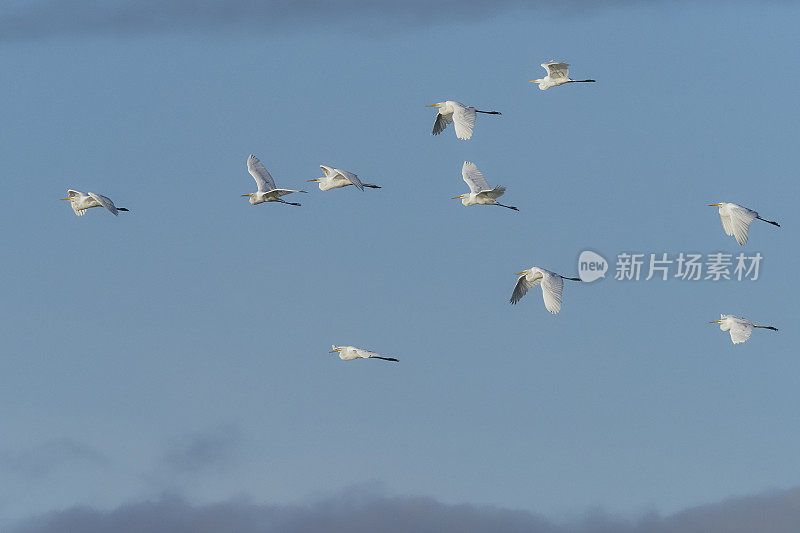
[(80, 202), (480, 192), (552, 286), (739, 328), (334, 178), (557, 74), (736, 220), (267, 192), (348, 353), (462, 116)]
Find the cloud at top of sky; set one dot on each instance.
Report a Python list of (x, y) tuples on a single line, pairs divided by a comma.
[(356, 512), (40, 19)]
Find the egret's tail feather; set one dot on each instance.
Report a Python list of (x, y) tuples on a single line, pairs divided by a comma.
[(769, 221)]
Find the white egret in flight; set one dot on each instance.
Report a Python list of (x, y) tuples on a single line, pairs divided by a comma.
[(348, 353), (740, 328), (266, 185), (462, 116), (335, 178), (557, 74), (736, 220), (480, 192), (552, 286), (80, 202)]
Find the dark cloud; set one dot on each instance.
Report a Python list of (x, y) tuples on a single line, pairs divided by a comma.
[(44, 458), (39, 19), (776, 512)]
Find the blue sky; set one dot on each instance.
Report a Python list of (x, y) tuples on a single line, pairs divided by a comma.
[(182, 347)]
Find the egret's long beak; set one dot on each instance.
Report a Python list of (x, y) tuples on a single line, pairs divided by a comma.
[(432, 105), (251, 194), (714, 205), (536, 81), (336, 350), (715, 321), (521, 273), (63, 198), (315, 179), (459, 196)]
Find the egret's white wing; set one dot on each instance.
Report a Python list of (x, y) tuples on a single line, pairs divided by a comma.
[(726, 224), (327, 171), (496, 193), (72, 195), (105, 202), (464, 121), (552, 285), (441, 123), (740, 331), (474, 178), (260, 174), (352, 177), (556, 71), (524, 285), (361, 352), (741, 217)]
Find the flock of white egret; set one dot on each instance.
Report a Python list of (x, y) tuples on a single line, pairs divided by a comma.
[(736, 219)]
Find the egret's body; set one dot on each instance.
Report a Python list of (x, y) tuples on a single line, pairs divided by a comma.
[(335, 178), (480, 192), (462, 116), (736, 220), (739, 328), (552, 286), (557, 74), (348, 353), (80, 202), (267, 192)]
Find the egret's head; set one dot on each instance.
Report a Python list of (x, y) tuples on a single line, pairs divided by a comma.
[(336, 349), (723, 323), (536, 81), (521, 273)]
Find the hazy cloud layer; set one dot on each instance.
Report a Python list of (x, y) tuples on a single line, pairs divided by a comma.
[(777, 512), (37, 19), (44, 458), (202, 450)]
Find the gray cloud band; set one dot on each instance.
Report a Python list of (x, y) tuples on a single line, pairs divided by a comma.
[(776, 512)]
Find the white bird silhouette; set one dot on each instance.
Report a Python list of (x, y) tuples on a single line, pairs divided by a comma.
[(480, 192), (552, 286), (348, 353), (557, 74), (462, 116), (335, 178), (267, 192), (80, 202), (740, 328), (736, 220)]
